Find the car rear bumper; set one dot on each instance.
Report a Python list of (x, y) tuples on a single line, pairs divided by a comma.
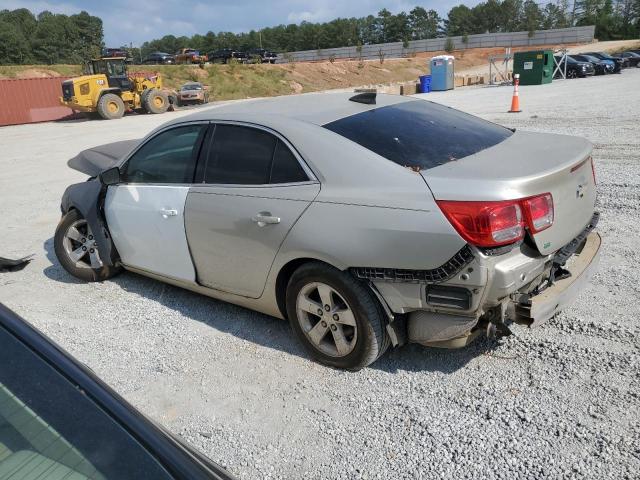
[(539, 308)]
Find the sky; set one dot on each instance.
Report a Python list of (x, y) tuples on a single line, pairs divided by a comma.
[(127, 21)]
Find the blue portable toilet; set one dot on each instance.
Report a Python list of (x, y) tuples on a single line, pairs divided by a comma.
[(442, 69)]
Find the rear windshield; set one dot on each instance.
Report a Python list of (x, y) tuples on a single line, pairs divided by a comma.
[(420, 134)]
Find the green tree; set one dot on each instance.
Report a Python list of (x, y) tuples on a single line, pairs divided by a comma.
[(460, 21), (423, 24), (14, 48)]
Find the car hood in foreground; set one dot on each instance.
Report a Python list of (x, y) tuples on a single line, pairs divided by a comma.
[(97, 159), (524, 165)]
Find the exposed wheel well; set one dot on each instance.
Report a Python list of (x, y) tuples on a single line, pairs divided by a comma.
[(283, 277)]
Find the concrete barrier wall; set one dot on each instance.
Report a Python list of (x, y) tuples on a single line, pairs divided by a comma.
[(485, 40)]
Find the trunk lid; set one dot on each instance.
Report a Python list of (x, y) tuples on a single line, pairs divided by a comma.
[(524, 165)]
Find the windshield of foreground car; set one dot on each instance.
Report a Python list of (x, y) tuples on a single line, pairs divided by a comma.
[(420, 134), (192, 87), (51, 429)]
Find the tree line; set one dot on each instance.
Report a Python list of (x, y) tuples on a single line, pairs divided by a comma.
[(614, 19), (54, 38), (48, 38)]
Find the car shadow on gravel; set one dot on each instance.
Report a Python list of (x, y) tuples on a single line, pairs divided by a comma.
[(268, 331), (417, 358)]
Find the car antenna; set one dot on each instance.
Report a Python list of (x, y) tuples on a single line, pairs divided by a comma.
[(368, 98)]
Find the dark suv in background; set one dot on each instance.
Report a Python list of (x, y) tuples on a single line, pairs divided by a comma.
[(632, 58), (265, 56), (159, 58), (620, 63), (576, 68), (600, 66), (226, 54)]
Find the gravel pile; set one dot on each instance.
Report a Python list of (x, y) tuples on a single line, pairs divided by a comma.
[(561, 401)]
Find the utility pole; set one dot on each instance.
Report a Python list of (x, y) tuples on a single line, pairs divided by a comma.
[(573, 14), (260, 34)]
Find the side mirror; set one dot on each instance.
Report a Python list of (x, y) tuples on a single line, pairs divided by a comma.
[(110, 176)]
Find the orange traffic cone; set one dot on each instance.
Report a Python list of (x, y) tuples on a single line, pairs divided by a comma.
[(515, 100)]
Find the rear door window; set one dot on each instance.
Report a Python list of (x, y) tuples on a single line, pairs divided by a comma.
[(286, 168), (420, 134), (243, 155)]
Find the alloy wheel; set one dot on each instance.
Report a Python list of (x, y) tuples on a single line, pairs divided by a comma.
[(80, 245), (326, 319)]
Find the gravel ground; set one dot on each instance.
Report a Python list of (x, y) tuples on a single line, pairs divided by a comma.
[(560, 401)]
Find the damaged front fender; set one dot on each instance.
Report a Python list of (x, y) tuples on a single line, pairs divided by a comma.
[(88, 199)]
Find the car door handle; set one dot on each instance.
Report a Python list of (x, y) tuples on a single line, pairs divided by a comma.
[(168, 212), (265, 218)]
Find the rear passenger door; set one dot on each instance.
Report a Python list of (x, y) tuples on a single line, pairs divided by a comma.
[(254, 188)]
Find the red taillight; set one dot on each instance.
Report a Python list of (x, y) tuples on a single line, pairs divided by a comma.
[(538, 212), (593, 171), (491, 224), (485, 224)]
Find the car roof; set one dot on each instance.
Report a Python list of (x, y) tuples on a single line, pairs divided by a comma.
[(315, 108)]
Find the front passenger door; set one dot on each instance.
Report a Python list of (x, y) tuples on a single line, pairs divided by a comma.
[(255, 188), (145, 213)]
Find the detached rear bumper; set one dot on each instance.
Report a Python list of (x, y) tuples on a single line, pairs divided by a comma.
[(540, 308)]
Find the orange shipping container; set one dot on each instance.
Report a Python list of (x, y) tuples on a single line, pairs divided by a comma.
[(31, 100)]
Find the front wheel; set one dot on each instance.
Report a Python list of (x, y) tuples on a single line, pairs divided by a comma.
[(77, 250), (110, 106), (155, 101), (336, 318)]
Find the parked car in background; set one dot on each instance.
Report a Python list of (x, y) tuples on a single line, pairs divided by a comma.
[(114, 52), (58, 420), (600, 67), (192, 92), (618, 62), (575, 68), (366, 220), (633, 58), (189, 55), (226, 54), (159, 58), (265, 56)]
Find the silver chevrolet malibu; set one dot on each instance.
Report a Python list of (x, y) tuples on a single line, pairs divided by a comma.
[(365, 220)]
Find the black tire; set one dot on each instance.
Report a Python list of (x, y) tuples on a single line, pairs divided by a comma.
[(572, 74), (371, 341), (155, 101), (86, 273), (110, 106)]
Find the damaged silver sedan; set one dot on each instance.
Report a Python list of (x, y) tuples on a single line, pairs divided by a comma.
[(366, 221)]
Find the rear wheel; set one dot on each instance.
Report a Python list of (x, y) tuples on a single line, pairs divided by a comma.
[(110, 106), (77, 250), (572, 74), (336, 318), (155, 101)]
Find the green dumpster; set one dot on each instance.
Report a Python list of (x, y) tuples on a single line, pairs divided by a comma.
[(535, 67)]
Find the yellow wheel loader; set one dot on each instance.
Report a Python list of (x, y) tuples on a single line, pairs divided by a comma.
[(108, 90)]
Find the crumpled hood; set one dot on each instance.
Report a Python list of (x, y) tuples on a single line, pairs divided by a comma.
[(97, 159)]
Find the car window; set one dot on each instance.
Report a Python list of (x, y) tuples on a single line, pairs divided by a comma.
[(169, 157), (243, 155), (286, 168), (240, 155), (51, 429), (420, 134)]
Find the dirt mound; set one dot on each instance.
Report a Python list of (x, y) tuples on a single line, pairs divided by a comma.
[(37, 73)]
